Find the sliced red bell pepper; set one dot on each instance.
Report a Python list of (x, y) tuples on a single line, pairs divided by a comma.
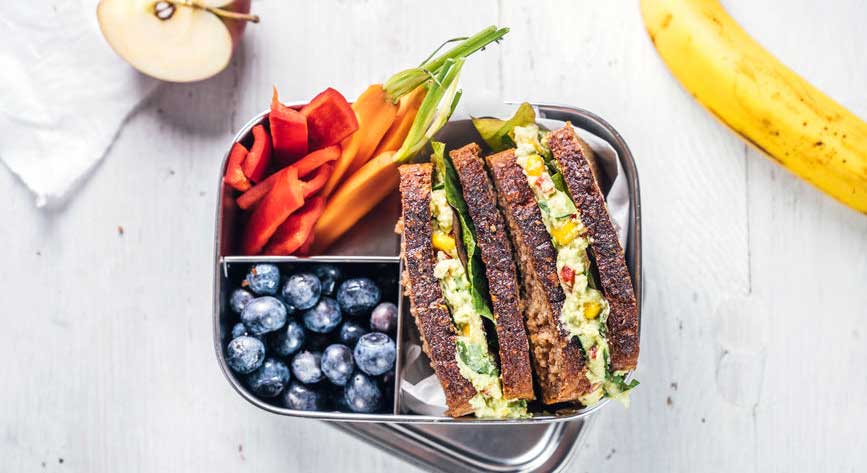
[(305, 167), (288, 132), (255, 194), (296, 229), (284, 198), (312, 161), (317, 181), (234, 174), (304, 250), (259, 156), (330, 119)]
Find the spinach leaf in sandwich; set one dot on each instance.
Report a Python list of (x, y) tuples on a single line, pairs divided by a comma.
[(475, 271), (476, 357), (498, 133)]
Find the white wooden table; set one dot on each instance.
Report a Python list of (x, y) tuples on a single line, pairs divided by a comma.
[(755, 318)]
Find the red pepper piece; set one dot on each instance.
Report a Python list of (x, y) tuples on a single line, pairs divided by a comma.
[(305, 166), (312, 161), (288, 132), (312, 185), (284, 198), (296, 229), (234, 174), (304, 250), (259, 156), (567, 275), (330, 119), (255, 194)]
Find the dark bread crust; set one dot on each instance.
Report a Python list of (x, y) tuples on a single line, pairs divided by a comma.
[(571, 152), (427, 304), (557, 357), (496, 252)]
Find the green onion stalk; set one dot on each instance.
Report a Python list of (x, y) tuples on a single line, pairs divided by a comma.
[(440, 76)]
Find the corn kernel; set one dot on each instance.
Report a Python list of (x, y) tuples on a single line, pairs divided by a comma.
[(466, 330), (443, 242), (592, 310), (564, 234), (535, 166)]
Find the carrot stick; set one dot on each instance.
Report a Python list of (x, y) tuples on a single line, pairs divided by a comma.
[(356, 197), (375, 112), (394, 137)]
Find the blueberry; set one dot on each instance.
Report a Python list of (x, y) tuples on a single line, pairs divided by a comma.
[(337, 364), (239, 330), (302, 290), (263, 315), (337, 396), (303, 398), (387, 382), (239, 298), (384, 318), (363, 394), (350, 332), (288, 339), (317, 341), (375, 353), (388, 378), (328, 275), (323, 317), (358, 296), (263, 279), (245, 354), (269, 379), (306, 367)]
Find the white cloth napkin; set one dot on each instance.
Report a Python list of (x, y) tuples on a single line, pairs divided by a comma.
[(63, 94)]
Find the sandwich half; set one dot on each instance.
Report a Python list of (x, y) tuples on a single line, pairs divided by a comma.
[(574, 160), (492, 242), (583, 340), (445, 300)]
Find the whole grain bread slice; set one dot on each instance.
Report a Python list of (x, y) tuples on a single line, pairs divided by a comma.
[(557, 357), (574, 158), (497, 253), (427, 304)]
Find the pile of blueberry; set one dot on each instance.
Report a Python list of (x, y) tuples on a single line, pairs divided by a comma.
[(314, 340)]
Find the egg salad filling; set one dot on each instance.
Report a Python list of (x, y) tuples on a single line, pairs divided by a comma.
[(585, 310), (475, 362)]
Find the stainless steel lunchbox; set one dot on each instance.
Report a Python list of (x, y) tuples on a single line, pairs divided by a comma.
[(542, 443)]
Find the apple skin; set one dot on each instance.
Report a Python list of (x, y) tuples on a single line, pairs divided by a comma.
[(236, 27)]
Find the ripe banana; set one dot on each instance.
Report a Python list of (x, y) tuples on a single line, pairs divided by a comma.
[(761, 99)]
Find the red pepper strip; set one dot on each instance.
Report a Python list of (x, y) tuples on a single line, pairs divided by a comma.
[(305, 166), (304, 250), (288, 131), (330, 119), (312, 186), (260, 155), (567, 275), (312, 161), (284, 198), (234, 174), (296, 229), (255, 194)]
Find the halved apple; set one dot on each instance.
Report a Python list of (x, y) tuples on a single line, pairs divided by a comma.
[(174, 40)]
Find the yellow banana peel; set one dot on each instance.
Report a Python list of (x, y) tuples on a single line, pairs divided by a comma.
[(761, 99)]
